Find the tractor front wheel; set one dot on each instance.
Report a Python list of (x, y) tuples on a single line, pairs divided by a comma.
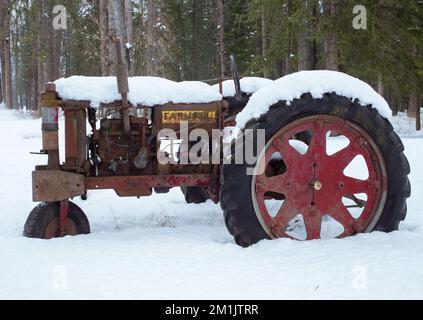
[(44, 221)]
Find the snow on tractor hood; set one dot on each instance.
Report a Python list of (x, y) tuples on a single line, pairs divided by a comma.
[(317, 83), (143, 91)]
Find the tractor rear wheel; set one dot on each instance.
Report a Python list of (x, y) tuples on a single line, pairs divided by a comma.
[(44, 221), (351, 177)]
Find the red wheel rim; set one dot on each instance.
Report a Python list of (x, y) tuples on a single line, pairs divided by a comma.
[(313, 185)]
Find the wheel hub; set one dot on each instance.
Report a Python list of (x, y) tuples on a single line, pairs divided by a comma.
[(316, 185)]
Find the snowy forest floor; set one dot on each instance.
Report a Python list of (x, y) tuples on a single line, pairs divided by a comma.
[(162, 248)]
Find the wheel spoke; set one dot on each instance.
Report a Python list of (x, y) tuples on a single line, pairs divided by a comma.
[(313, 224), (355, 186), (276, 184), (286, 213), (344, 217), (343, 158), (289, 155), (318, 142)]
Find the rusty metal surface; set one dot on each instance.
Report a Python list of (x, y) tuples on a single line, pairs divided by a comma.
[(124, 184), (70, 138), (56, 185), (75, 138), (53, 160), (50, 140), (74, 104), (138, 192), (81, 137), (50, 128)]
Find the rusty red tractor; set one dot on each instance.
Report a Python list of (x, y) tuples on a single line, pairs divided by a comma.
[(120, 153)]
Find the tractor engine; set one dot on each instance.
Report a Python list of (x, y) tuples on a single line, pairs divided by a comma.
[(121, 154), (114, 153)]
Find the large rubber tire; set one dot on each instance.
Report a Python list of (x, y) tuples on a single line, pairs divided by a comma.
[(195, 195), (42, 215), (236, 192)]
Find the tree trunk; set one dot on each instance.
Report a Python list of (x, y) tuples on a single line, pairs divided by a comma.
[(104, 34), (112, 63), (119, 41), (53, 67), (221, 12), (39, 59), (264, 42), (413, 98), (68, 44), (2, 62), (288, 58), (8, 96), (413, 102), (1, 92), (303, 51), (313, 25), (392, 100), (380, 85), (2, 75), (151, 54), (17, 67), (129, 35), (303, 44), (330, 39), (54, 47), (119, 32), (194, 43)]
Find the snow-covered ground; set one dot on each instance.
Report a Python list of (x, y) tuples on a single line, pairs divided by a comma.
[(406, 126), (160, 247)]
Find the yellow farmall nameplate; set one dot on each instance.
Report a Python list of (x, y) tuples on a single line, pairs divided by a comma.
[(191, 116)]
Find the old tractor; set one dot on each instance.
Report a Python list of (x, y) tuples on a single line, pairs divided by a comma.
[(293, 192)]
